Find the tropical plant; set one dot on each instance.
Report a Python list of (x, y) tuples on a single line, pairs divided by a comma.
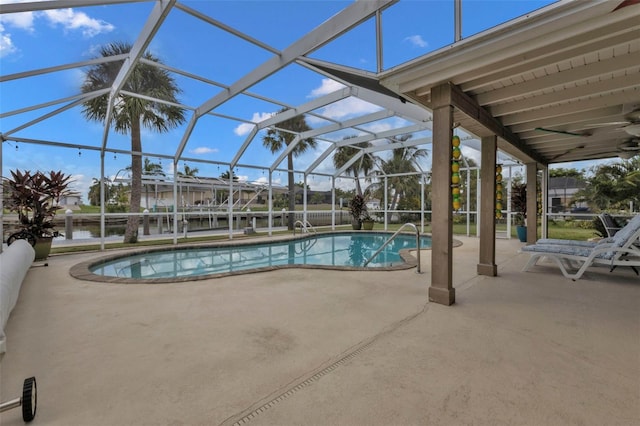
[(188, 171), (35, 196), (401, 169), (563, 172), (357, 208), (94, 191), (281, 137), (127, 114), (365, 164), (227, 174), (612, 186)]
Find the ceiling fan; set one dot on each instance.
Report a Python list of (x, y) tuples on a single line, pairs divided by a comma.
[(631, 123), (629, 148)]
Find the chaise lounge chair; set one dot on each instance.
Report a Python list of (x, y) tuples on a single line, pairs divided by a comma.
[(620, 250), (610, 224)]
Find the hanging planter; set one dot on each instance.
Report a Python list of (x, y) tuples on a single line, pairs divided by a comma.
[(456, 153)]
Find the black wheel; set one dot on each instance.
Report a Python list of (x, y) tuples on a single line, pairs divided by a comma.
[(29, 399), (22, 235)]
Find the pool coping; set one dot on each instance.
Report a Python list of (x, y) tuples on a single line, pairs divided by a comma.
[(82, 270)]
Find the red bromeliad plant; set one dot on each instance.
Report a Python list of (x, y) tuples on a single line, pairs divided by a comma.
[(35, 197)]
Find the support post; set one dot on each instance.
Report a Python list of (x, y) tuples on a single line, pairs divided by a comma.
[(545, 200), (487, 260), (68, 224), (441, 290), (145, 222), (532, 207)]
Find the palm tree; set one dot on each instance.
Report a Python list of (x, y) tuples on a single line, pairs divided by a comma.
[(129, 113), (94, 191), (188, 171), (365, 164), (403, 160), (277, 139), (227, 174), (149, 169)]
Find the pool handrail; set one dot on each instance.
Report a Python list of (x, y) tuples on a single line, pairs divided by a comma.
[(304, 226), (393, 237)]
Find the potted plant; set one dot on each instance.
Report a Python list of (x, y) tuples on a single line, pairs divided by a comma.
[(519, 206), (357, 208), (367, 221), (35, 196)]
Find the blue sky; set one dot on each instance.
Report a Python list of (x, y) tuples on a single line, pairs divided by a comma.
[(28, 41)]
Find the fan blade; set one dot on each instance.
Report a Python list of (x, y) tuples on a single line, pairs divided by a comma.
[(562, 132), (570, 150), (610, 123), (626, 3), (631, 145)]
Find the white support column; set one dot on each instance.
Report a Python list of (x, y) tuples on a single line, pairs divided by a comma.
[(175, 202), (304, 198), (386, 203), (230, 204), (333, 203), (422, 198), (270, 203), (102, 202)]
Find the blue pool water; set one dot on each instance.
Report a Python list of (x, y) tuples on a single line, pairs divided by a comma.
[(330, 250)]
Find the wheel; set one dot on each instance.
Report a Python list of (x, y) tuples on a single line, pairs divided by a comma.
[(22, 235), (29, 399)]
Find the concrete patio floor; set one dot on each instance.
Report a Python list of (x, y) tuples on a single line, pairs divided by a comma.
[(318, 347)]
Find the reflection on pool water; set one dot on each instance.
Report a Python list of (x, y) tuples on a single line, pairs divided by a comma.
[(329, 250)]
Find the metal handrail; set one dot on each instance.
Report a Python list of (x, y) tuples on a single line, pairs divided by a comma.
[(393, 237), (305, 226)]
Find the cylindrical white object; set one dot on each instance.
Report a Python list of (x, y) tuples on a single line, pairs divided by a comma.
[(15, 261)]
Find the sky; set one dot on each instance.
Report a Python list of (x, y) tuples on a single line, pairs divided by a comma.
[(36, 40)]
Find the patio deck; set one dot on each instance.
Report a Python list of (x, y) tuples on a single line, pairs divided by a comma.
[(330, 347)]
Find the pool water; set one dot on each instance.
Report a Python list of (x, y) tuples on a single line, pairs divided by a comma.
[(335, 249)]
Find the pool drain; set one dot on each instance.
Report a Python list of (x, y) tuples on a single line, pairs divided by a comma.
[(315, 377), (246, 416)]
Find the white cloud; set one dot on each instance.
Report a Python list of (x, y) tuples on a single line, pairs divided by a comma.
[(23, 20), (417, 41), (72, 20), (245, 128), (201, 150), (6, 44), (349, 107), (68, 19), (327, 86), (263, 180)]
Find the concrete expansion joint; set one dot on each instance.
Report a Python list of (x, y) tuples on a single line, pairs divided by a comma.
[(306, 381)]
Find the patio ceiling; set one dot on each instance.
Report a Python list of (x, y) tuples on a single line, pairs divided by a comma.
[(564, 80)]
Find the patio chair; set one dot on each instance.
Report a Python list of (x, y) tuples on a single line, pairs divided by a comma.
[(610, 224), (620, 250)]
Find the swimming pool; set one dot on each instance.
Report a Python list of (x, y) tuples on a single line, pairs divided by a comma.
[(339, 250)]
